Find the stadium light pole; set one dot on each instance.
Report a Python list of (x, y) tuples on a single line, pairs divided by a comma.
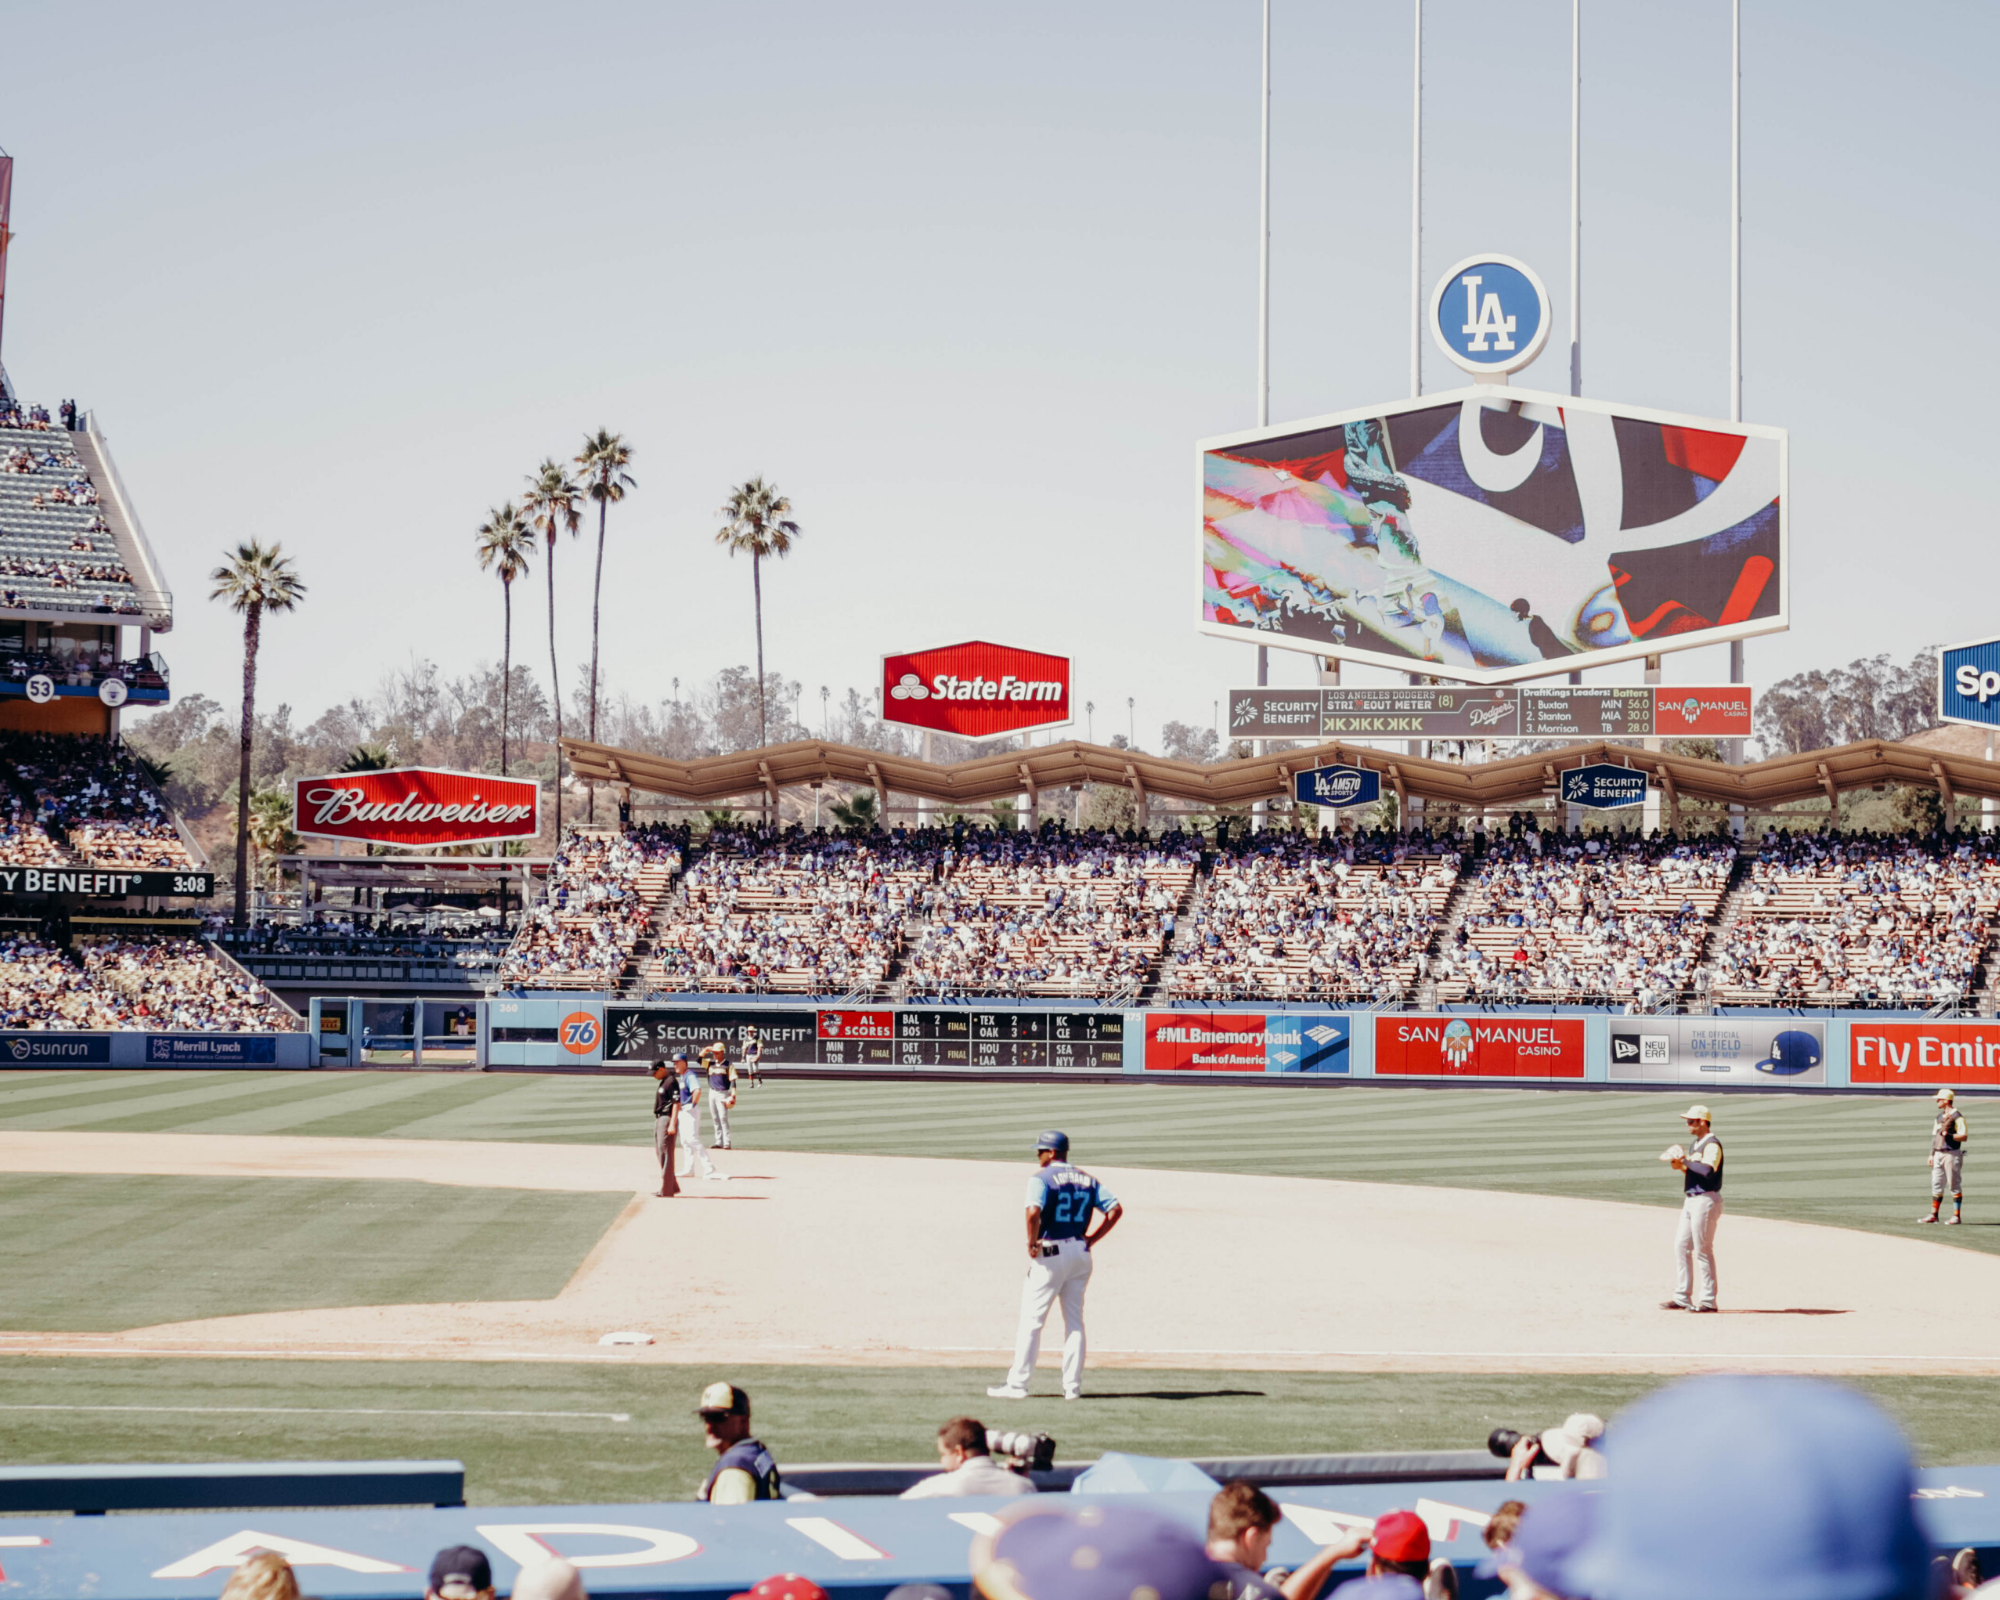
[(1736, 664), (1575, 197), (1417, 212), (1264, 311)]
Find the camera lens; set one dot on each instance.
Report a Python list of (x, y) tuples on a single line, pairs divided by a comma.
[(1501, 1441)]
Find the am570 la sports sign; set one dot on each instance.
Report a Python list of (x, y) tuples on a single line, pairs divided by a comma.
[(415, 806), (977, 690)]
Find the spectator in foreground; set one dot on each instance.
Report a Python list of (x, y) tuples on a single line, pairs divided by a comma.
[(744, 1470), (1399, 1558), (460, 1572), (1745, 1488), (1568, 1449), (969, 1467), (265, 1576), (1538, 1560), (1241, 1522), (550, 1579), (1045, 1550), (784, 1586)]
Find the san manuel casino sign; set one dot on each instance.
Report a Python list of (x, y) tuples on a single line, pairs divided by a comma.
[(976, 690), (416, 806)]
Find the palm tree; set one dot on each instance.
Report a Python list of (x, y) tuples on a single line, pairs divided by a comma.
[(505, 544), (256, 579), (857, 812), (271, 825), (554, 503), (760, 524), (603, 459)]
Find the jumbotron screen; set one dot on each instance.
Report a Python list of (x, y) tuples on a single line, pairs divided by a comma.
[(1495, 537)]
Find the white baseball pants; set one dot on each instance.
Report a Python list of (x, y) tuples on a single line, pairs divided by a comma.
[(691, 1145), (1063, 1276), (718, 1114), (1947, 1173), (1694, 1250)]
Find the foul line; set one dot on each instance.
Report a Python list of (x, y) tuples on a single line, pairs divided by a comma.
[(328, 1411)]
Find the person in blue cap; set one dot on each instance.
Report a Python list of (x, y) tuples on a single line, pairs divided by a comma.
[(1061, 1202), (1754, 1488), (1103, 1551)]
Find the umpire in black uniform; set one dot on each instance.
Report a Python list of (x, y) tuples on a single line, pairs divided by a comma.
[(666, 1124)]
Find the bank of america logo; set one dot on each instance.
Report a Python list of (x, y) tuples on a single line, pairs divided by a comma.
[(1322, 1035)]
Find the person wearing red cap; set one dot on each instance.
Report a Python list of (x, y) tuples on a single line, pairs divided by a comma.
[(784, 1586), (1399, 1558)]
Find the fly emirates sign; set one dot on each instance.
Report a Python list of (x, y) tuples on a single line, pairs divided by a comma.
[(977, 690), (416, 806)]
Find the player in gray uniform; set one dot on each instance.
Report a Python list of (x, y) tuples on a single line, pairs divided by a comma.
[(753, 1056), (1947, 1158), (1700, 1166), (721, 1090)]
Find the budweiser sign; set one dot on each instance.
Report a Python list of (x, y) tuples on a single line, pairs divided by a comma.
[(977, 690), (414, 806)]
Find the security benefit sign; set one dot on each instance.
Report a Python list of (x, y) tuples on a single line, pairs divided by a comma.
[(1240, 1041), (976, 690), (1957, 1053), (106, 883), (1601, 786), (1479, 1047), (1969, 683), (1337, 786), (655, 1033), (1711, 1050), (416, 806)]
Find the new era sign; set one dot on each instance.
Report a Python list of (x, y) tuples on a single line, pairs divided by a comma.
[(1603, 786), (1337, 786), (976, 690), (416, 806)]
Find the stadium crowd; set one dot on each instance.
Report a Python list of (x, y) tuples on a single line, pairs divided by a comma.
[(1050, 913), (601, 894), (89, 790), (797, 912), (1289, 915), (137, 982), (1597, 917), (1861, 919)]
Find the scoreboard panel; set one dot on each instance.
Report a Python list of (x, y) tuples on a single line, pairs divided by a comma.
[(888, 1037)]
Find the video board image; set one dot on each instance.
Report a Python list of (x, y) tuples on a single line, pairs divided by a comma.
[(1496, 539)]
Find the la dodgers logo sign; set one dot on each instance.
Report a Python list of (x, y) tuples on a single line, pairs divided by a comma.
[(1490, 315)]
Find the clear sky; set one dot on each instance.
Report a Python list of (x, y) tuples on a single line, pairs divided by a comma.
[(967, 282)]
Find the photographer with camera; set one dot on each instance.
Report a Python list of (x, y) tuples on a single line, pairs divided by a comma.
[(969, 1467), (1567, 1450)]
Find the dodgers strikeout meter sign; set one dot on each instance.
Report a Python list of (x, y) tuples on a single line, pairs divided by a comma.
[(976, 690), (416, 806)]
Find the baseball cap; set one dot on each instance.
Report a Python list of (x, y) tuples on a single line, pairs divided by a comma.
[(785, 1586), (551, 1578), (1401, 1536), (1797, 1487), (1105, 1551), (1559, 1444), (460, 1571), (1794, 1050), (1696, 1113), (723, 1399), (1944, 1094), (1551, 1532), (1052, 1140)]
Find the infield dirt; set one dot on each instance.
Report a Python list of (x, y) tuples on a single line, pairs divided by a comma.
[(866, 1260)]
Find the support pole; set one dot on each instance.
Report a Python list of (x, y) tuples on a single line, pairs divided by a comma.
[(1575, 197), (1417, 212)]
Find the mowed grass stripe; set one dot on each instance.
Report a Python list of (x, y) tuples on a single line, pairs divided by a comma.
[(344, 1104), (170, 1111)]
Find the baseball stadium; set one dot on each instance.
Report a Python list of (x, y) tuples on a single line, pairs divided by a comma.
[(1450, 1126)]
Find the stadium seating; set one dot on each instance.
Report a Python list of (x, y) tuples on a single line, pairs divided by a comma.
[(603, 890), (797, 914), (1552, 917), (1051, 914), (88, 791), (1847, 919), (179, 984), (1288, 916), (56, 549)]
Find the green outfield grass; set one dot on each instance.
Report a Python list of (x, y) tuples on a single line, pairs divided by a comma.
[(92, 1254), (1848, 1160), (569, 1448)]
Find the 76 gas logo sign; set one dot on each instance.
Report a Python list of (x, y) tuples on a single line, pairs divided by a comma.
[(580, 1033)]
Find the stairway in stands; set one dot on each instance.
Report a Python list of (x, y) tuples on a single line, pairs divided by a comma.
[(1726, 913)]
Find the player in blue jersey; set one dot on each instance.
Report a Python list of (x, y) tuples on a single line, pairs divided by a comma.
[(1061, 1200)]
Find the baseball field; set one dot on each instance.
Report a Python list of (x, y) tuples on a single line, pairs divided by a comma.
[(267, 1265)]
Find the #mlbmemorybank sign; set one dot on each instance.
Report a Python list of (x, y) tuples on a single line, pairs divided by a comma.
[(1479, 1047), (416, 806), (1236, 1041)]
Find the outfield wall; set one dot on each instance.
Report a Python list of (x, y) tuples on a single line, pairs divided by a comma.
[(1547, 1049)]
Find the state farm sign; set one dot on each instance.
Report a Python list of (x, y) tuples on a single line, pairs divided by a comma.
[(977, 690), (414, 806)]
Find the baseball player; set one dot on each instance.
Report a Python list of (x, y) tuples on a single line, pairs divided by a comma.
[(1700, 1166), (1947, 1159), (1061, 1199), (690, 1116), (666, 1124), (721, 1090), (753, 1056)]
